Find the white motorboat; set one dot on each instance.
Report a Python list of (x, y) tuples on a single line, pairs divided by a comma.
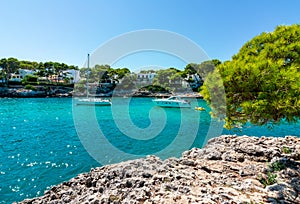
[(172, 102), (93, 101)]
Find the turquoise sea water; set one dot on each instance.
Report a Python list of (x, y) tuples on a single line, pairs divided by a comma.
[(42, 140)]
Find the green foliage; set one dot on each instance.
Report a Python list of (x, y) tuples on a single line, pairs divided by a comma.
[(286, 150), (120, 72), (262, 81), (190, 68), (277, 166), (128, 82), (103, 73), (270, 177), (30, 87), (155, 89), (163, 77), (170, 79), (147, 71), (267, 180), (30, 79), (207, 67), (215, 90), (12, 65)]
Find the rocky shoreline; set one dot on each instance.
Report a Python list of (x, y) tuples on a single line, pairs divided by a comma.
[(229, 169), (39, 92), (57, 91)]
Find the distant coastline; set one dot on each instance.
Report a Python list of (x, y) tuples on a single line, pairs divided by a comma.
[(62, 91), (37, 92)]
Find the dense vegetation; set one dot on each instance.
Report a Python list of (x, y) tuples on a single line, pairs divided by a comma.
[(103, 73), (12, 65), (261, 81), (170, 79), (167, 79)]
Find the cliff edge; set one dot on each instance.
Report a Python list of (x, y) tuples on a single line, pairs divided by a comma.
[(229, 169)]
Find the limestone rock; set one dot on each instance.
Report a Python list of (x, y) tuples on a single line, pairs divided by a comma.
[(229, 169)]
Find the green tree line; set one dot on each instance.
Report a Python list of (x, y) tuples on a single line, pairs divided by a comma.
[(166, 78), (171, 78), (103, 73), (43, 69)]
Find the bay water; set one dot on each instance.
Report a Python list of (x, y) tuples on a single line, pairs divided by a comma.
[(42, 144)]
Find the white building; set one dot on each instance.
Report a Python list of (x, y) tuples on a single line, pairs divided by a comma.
[(193, 81), (20, 75), (146, 77), (73, 74)]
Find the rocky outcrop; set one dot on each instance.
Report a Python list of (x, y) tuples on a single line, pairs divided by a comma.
[(39, 91), (229, 169)]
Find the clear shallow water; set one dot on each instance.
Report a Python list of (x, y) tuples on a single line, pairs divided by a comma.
[(39, 145)]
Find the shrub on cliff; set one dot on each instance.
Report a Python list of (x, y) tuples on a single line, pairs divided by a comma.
[(30, 79), (30, 87), (262, 81)]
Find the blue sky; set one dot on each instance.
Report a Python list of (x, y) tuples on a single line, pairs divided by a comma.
[(66, 30)]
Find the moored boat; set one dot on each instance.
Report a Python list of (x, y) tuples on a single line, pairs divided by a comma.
[(172, 102), (93, 101)]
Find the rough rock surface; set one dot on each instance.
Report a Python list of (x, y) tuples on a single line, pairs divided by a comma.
[(229, 169)]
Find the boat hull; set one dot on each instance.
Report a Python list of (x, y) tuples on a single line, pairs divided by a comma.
[(93, 102), (169, 103)]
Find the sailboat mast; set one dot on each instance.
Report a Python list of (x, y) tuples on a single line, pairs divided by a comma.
[(88, 62), (87, 73)]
